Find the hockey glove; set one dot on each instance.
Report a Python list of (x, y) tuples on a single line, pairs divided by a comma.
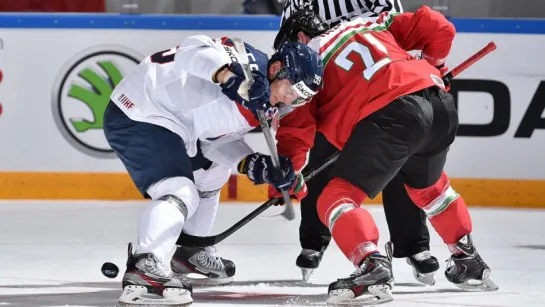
[(298, 191), (443, 70), (259, 168), (440, 65), (253, 98)]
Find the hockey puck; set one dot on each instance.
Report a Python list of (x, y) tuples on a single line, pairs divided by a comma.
[(110, 270)]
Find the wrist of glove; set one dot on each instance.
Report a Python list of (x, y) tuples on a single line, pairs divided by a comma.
[(440, 65), (260, 169), (443, 70), (236, 88), (298, 191)]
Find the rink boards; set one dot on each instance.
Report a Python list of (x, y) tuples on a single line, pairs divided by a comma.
[(53, 90)]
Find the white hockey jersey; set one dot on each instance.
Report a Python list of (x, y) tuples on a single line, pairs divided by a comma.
[(174, 89)]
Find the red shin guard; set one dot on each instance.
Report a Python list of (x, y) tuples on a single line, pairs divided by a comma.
[(352, 227), (445, 209)]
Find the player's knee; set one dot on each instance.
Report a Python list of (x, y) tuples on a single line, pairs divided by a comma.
[(337, 197), (434, 199), (209, 182), (178, 191)]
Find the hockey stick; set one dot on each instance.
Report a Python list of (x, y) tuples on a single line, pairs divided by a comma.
[(470, 61), (194, 241), (289, 212)]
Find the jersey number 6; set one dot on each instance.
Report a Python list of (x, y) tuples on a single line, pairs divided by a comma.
[(371, 67)]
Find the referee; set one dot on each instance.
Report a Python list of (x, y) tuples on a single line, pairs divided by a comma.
[(333, 11), (406, 222)]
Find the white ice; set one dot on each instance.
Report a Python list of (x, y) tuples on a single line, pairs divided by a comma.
[(57, 248)]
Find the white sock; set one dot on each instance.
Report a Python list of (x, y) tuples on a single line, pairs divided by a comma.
[(158, 230), (202, 221)]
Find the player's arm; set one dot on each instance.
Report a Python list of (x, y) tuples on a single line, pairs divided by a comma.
[(201, 56), (295, 137), (228, 154), (238, 156), (218, 62), (425, 30)]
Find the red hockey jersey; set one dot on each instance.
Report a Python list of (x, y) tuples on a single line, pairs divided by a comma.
[(366, 66)]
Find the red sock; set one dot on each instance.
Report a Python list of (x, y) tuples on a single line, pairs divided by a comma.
[(445, 209), (351, 226)]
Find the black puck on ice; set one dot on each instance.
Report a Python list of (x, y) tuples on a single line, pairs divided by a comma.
[(110, 270)]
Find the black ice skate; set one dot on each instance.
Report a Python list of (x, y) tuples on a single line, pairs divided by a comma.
[(468, 271), (424, 266), (309, 260), (211, 270), (373, 279), (145, 275)]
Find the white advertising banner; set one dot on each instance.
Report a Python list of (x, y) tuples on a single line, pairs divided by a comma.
[(55, 84)]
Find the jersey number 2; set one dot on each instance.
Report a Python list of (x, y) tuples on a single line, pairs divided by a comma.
[(371, 67), (165, 56)]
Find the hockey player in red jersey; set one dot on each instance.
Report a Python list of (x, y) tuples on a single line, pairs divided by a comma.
[(389, 113)]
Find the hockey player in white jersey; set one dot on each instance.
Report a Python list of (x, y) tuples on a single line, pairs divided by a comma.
[(177, 124)]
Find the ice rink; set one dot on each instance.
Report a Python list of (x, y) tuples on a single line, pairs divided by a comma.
[(51, 254)]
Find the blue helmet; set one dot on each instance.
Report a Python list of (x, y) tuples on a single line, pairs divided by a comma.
[(302, 66)]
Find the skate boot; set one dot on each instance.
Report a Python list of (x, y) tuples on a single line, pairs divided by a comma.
[(210, 270), (146, 275), (424, 266), (466, 269), (308, 261), (373, 278)]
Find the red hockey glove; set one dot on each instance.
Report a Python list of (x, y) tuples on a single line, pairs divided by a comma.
[(298, 191)]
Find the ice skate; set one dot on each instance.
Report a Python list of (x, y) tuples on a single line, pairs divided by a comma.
[(145, 275), (210, 269), (467, 270), (308, 261), (370, 284), (424, 266)]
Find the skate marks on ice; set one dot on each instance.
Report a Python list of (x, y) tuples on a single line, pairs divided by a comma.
[(107, 294), (258, 292), (537, 247)]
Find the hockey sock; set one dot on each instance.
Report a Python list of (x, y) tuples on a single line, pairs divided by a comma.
[(351, 226), (445, 209), (159, 227), (200, 224)]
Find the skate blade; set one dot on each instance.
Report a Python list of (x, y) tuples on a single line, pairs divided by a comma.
[(474, 285), (134, 296), (377, 294), (204, 281), (425, 278), (307, 274), (484, 285)]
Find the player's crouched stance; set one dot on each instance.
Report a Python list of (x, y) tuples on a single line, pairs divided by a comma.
[(177, 123), (388, 113)]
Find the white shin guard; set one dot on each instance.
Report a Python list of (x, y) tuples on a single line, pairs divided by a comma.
[(174, 200), (209, 183), (200, 224)]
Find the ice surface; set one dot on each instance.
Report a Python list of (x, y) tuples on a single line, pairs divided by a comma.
[(51, 254)]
